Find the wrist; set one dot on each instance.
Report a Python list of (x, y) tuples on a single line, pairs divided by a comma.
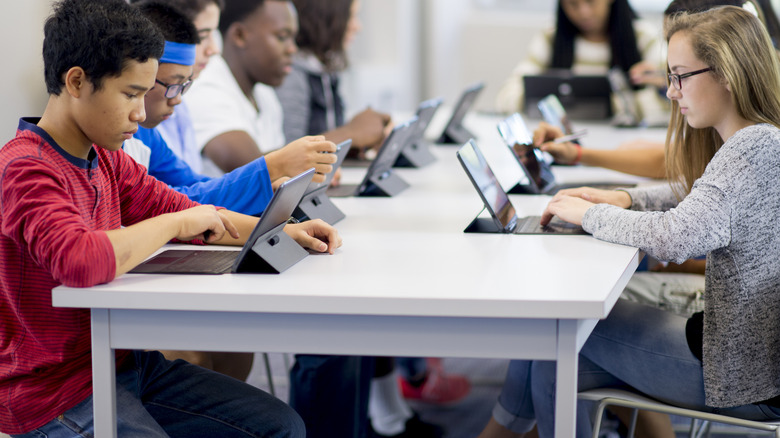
[(578, 154)]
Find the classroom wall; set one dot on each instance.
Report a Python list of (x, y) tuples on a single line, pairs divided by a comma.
[(21, 80)]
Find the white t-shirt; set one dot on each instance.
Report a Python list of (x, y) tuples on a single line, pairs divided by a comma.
[(217, 105)]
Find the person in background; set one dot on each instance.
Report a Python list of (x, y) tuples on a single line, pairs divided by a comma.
[(721, 199), (177, 131), (590, 37), (310, 95)]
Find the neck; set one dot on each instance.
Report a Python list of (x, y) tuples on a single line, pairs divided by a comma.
[(730, 127), (63, 129), (245, 83)]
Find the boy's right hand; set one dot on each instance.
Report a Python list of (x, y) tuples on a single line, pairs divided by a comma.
[(303, 154), (204, 222), (563, 153)]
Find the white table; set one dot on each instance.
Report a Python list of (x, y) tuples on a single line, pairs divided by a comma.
[(407, 282)]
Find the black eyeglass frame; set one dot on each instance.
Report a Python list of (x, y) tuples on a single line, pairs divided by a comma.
[(173, 90), (676, 80)]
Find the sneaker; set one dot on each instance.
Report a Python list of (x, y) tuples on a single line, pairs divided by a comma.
[(415, 428), (438, 388)]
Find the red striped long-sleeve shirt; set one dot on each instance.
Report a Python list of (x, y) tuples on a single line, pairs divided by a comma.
[(54, 210)]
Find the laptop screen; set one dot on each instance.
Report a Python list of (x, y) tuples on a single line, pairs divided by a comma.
[(517, 136), (341, 153), (554, 114), (493, 195)]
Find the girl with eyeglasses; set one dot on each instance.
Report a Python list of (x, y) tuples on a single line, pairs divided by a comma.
[(722, 199)]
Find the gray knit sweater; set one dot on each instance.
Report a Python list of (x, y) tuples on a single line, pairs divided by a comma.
[(733, 215)]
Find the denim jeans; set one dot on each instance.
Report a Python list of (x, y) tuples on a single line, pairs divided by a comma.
[(331, 394), (159, 398), (637, 347)]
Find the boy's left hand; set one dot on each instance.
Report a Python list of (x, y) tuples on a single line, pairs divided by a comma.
[(315, 234)]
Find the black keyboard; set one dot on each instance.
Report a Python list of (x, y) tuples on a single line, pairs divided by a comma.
[(189, 262), (531, 225)]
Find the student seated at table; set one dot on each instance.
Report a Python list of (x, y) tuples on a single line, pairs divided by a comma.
[(76, 210), (236, 114), (722, 199), (310, 95), (590, 37), (177, 130)]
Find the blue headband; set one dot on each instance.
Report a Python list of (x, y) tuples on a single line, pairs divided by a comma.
[(178, 53)]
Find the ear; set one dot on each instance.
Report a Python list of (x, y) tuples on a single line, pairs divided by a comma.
[(76, 81), (237, 34)]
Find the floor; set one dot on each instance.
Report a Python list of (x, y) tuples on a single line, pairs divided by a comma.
[(467, 418)]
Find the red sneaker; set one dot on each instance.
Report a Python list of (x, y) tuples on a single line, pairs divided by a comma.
[(439, 388)]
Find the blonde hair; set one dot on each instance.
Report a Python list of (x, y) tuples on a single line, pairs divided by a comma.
[(737, 47)]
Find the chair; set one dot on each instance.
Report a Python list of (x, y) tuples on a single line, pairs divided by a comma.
[(700, 421)]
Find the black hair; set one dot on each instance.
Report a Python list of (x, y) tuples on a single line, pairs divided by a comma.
[(175, 26), (191, 8), (322, 26), (100, 36), (622, 38), (237, 10)]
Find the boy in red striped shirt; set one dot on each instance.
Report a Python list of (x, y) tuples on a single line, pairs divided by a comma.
[(75, 210)]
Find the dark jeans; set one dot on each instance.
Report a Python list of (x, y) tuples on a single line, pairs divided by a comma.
[(331, 394), (160, 398)]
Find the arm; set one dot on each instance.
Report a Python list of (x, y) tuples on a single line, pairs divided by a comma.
[(247, 189), (314, 234), (646, 159), (368, 129)]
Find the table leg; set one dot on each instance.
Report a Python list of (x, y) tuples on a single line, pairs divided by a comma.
[(566, 380), (103, 376)]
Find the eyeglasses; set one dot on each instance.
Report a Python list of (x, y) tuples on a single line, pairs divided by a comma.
[(676, 79), (174, 90)]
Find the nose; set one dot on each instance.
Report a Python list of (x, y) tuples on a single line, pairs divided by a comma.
[(212, 48), (175, 101), (672, 92), (138, 114)]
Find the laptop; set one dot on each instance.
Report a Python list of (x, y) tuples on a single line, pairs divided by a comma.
[(586, 97), (503, 218), (454, 131), (268, 248), (315, 203), (417, 152), (540, 178), (380, 180)]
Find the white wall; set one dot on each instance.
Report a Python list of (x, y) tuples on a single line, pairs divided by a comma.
[(21, 80)]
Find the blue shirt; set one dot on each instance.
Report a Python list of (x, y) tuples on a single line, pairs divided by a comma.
[(245, 190)]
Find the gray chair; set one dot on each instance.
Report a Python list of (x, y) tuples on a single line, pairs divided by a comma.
[(700, 421)]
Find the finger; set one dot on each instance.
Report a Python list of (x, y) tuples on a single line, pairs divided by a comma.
[(323, 168), (318, 177), (325, 158), (325, 146), (547, 216), (230, 227)]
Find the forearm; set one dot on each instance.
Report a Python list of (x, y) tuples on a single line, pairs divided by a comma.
[(244, 223), (648, 162), (135, 243)]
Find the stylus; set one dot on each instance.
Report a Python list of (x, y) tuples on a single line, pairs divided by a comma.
[(576, 136)]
